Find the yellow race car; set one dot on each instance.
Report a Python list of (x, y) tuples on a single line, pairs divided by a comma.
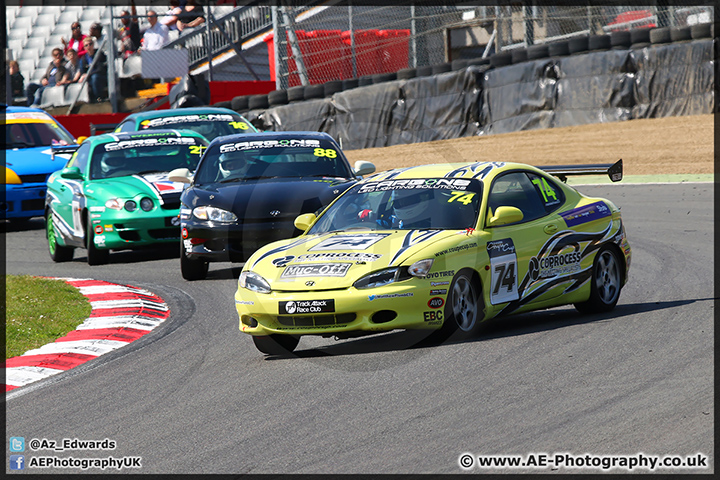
[(441, 247)]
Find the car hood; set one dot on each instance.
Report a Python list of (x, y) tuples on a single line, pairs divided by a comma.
[(285, 197), (155, 185), (337, 260), (33, 161)]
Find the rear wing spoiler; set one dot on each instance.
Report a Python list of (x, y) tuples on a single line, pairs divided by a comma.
[(613, 170), (65, 150)]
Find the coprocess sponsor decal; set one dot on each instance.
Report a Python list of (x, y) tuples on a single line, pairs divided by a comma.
[(389, 295), (554, 265), (585, 214), (325, 257), (361, 241), (438, 284), (416, 184), (306, 306), (316, 270)]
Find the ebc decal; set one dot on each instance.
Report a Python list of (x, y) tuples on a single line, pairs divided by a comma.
[(350, 242), (503, 269)]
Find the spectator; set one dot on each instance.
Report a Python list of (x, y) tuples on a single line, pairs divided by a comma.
[(97, 80), (129, 33), (54, 74), (171, 16), (17, 81), (76, 40), (74, 68), (156, 34), (96, 31), (191, 16)]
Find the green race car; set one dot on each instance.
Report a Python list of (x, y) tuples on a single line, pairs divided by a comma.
[(210, 122), (114, 193), (438, 247)]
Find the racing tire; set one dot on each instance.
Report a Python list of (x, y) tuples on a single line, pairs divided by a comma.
[(58, 253), (606, 282), (463, 308), (192, 269), (276, 344), (95, 256)]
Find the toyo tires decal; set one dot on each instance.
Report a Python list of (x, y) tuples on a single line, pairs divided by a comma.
[(120, 314)]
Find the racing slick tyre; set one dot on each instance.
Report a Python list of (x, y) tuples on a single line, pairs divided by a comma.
[(95, 256), (58, 253), (606, 282), (463, 309), (276, 344), (192, 269)]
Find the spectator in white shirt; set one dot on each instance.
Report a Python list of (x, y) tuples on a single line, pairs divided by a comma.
[(156, 34)]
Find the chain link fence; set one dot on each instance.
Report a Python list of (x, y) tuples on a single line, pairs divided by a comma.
[(320, 43)]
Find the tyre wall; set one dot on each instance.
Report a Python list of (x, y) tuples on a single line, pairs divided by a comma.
[(605, 85)]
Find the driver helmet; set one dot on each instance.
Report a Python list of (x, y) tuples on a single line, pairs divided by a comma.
[(111, 163), (232, 163), (410, 205)]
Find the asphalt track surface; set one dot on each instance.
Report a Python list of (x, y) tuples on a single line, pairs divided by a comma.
[(195, 396)]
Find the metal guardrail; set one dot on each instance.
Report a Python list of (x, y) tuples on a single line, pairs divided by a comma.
[(226, 32)]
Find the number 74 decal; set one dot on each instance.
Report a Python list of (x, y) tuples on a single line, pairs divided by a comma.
[(503, 268)]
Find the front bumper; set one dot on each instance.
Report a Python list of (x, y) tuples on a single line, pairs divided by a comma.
[(328, 312), (24, 201), (212, 242), (142, 230)]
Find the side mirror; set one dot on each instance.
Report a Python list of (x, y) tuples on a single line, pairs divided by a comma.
[(181, 175), (363, 168), (71, 173), (304, 221), (504, 216)]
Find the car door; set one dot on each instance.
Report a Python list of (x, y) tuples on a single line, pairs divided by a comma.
[(71, 199), (523, 260)]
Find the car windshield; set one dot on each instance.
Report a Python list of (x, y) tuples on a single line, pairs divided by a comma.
[(33, 129), (145, 155), (208, 125), (252, 160), (407, 204)]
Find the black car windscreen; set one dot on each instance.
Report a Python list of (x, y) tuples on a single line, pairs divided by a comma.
[(250, 160)]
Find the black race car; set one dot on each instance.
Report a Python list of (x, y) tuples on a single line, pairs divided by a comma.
[(249, 188)]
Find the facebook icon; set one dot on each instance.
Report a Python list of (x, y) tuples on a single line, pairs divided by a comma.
[(17, 462)]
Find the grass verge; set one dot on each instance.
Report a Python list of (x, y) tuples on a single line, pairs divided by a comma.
[(39, 311)]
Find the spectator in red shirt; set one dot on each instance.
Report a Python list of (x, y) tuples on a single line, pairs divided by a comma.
[(76, 40)]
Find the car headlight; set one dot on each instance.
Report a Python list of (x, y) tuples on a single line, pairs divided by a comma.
[(114, 203), (253, 282), (146, 204), (130, 205), (395, 274), (11, 178), (214, 214), (420, 268)]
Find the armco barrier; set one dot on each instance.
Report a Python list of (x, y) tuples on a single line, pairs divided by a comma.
[(599, 86)]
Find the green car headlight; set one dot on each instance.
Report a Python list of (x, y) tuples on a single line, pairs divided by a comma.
[(253, 282), (130, 205), (146, 204), (114, 203), (214, 214)]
